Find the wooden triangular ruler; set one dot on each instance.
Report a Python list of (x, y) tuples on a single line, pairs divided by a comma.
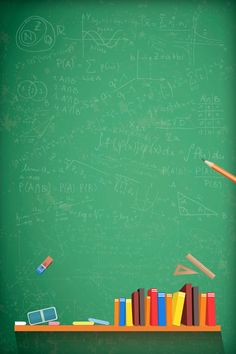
[(182, 270)]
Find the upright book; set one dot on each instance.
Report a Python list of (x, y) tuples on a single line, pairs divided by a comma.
[(135, 308), (122, 319), (147, 310), (202, 309), (161, 302), (129, 319), (210, 310), (195, 299), (177, 307), (141, 307), (169, 309), (116, 312), (187, 318), (153, 306)]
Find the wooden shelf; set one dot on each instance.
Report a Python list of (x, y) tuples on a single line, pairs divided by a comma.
[(97, 328)]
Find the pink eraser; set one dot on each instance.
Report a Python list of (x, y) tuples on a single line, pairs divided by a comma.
[(54, 323)]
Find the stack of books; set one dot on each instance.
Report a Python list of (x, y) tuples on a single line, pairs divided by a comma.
[(185, 307)]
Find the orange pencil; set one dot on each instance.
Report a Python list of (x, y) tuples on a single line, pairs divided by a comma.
[(220, 170)]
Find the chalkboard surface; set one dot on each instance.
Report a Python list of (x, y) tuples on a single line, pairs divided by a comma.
[(106, 111)]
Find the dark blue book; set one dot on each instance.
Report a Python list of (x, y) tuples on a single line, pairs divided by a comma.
[(161, 309), (122, 318)]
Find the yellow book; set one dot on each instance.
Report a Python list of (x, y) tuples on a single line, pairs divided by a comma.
[(202, 309), (147, 310), (116, 312), (129, 319), (177, 307)]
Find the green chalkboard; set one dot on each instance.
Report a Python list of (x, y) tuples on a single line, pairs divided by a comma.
[(107, 108)]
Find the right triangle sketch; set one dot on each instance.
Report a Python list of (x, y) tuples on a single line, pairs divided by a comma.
[(182, 270), (190, 207)]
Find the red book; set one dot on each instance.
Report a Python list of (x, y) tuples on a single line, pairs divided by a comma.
[(210, 310), (187, 318), (153, 306), (135, 308)]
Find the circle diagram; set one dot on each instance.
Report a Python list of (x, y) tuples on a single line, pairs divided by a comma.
[(35, 90), (35, 34)]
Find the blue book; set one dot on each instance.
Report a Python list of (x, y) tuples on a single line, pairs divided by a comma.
[(122, 319), (161, 309)]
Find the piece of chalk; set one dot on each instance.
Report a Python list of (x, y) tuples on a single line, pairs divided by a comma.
[(96, 321), (20, 323), (83, 323), (53, 323)]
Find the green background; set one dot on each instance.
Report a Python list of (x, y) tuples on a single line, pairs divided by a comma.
[(106, 111)]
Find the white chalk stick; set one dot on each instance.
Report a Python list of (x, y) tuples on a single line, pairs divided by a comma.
[(20, 323)]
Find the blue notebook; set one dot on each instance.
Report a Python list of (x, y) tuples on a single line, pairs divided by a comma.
[(122, 319), (161, 309)]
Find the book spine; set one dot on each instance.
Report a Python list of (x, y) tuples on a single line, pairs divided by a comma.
[(129, 319), (187, 318), (116, 312), (161, 309), (153, 307), (195, 299), (122, 312), (141, 307), (210, 310), (202, 309), (177, 307), (147, 310), (135, 308), (169, 309)]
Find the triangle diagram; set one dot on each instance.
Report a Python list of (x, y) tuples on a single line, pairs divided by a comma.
[(123, 80), (182, 270), (190, 207)]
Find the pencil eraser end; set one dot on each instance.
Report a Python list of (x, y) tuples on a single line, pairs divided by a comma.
[(40, 269)]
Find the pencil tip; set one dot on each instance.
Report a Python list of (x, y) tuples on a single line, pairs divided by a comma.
[(203, 160)]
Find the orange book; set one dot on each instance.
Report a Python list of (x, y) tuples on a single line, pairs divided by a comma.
[(202, 309), (169, 309), (116, 312), (147, 310)]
